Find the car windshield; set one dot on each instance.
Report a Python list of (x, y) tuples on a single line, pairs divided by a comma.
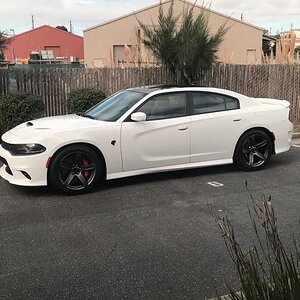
[(112, 108)]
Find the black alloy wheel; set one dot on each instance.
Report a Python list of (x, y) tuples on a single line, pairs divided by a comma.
[(253, 150), (75, 169)]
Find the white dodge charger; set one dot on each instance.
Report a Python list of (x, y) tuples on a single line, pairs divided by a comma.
[(145, 130)]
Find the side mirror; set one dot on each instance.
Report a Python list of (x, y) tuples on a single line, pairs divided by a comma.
[(138, 116)]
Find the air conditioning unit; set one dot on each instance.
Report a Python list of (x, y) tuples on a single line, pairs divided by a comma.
[(73, 59)]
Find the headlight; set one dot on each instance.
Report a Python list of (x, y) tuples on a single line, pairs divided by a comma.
[(29, 149), (23, 149)]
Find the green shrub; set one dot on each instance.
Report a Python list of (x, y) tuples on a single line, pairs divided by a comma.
[(81, 100), (17, 108)]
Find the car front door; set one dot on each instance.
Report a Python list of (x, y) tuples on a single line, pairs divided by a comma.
[(160, 141)]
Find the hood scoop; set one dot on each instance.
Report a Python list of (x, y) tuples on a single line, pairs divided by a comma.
[(29, 124)]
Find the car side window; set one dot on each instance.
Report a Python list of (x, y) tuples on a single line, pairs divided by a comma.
[(210, 102), (165, 106)]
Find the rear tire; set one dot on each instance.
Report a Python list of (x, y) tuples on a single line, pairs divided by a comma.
[(253, 150), (76, 169)]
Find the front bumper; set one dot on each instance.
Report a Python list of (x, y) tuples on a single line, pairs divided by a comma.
[(29, 170)]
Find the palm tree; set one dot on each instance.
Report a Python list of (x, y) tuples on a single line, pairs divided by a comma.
[(4, 42), (186, 50)]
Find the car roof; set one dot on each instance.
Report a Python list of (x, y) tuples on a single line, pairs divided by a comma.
[(150, 89), (146, 90)]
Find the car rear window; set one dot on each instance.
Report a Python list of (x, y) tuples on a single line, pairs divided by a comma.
[(211, 102)]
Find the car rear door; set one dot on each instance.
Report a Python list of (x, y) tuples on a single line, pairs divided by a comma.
[(216, 125), (163, 139)]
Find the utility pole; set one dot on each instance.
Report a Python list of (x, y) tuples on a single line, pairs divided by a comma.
[(32, 21), (242, 17), (71, 30)]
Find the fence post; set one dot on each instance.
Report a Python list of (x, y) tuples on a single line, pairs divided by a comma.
[(12, 81)]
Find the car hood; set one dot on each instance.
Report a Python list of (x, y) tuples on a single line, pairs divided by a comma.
[(44, 126)]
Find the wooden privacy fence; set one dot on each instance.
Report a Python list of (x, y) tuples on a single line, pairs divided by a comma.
[(54, 85), (272, 81), (261, 81)]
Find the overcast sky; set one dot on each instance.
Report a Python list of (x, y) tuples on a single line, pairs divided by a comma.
[(16, 14)]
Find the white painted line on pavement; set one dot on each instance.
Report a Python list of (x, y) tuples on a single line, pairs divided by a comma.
[(215, 184), (297, 146)]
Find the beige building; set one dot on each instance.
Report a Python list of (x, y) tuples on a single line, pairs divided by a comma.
[(117, 42)]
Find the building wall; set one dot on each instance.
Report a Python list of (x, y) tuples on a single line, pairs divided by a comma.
[(63, 44), (242, 44), (289, 34), (297, 41)]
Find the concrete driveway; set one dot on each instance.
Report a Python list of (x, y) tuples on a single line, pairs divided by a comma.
[(146, 237)]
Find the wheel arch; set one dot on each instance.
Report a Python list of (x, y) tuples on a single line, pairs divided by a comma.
[(91, 146), (267, 131)]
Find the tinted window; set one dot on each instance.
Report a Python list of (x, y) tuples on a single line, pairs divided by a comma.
[(209, 102), (111, 109), (165, 106), (231, 103)]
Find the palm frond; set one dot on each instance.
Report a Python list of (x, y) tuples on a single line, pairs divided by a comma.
[(4, 42)]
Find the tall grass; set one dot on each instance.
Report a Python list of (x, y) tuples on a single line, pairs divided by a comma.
[(266, 271)]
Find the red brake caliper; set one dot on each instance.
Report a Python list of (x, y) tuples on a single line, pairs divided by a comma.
[(86, 174)]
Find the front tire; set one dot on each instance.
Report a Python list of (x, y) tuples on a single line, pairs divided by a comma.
[(76, 169), (253, 150)]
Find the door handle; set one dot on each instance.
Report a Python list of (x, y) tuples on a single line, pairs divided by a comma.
[(236, 120), (183, 127)]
